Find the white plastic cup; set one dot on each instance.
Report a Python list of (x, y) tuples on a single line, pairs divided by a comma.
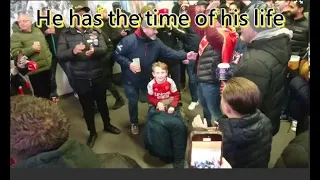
[(137, 62), (223, 71)]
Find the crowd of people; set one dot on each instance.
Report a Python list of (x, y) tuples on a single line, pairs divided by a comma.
[(261, 86)]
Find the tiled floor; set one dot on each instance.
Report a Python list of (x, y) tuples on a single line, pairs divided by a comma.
[(131, 145)]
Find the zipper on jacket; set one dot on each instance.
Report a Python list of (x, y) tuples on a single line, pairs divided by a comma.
[(84, 42)]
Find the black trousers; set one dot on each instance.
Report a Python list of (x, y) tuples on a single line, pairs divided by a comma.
[(41, 83), (90, 91)]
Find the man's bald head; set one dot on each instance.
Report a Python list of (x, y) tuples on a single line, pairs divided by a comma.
[(24, 21)]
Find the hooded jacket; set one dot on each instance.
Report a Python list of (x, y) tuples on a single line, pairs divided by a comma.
[(265, 62), (23, 41)]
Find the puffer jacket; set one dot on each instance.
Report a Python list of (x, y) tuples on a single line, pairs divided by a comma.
[(82, 66), (23, 41), (247, 141), (300, 39), (265, 62), (215, 47)]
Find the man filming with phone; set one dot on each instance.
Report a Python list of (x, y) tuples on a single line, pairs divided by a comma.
[(85, 49)]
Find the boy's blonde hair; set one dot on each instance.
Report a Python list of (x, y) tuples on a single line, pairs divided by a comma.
[(242, 95), (160, 65)]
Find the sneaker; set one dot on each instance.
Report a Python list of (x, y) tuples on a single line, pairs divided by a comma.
[(135, 129), (193, 105), (294, 125)]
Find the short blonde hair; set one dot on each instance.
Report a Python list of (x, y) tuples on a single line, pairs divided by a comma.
[(242, 95), (160, 65), (36, 125)]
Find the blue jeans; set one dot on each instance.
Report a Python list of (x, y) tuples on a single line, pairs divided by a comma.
[(193, 84), (133, 95), (209, 96)]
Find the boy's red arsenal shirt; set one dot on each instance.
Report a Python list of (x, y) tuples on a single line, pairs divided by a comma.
[(165, 90)]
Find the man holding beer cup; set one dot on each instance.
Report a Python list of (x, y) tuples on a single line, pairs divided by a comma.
[(28, 39)]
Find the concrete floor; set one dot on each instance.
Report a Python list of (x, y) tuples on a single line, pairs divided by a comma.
[(132, 145)]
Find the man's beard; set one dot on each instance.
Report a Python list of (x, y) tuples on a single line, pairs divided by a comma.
[(290, 15)]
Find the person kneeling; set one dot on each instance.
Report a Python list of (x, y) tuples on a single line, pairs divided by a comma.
[(166, 130), (247, 132)]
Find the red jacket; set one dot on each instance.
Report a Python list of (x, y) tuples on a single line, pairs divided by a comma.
[(222, 40)]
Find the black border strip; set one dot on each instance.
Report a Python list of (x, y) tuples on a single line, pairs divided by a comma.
[(223, 174)]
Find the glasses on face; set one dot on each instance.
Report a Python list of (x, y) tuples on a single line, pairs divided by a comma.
[(23, 21)]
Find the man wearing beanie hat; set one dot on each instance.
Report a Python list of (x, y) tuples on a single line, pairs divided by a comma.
[(265, 63), (144, 10), (86, 49), (146, 47)]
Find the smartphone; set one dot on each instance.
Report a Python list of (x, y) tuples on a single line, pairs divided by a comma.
[(206, 149)]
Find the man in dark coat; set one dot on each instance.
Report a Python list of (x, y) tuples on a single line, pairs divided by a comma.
[(265, 62), (86, 50), (299, 24)]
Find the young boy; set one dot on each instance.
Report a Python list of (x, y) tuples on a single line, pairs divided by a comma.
[(162, 91), (247, 132), (165, 131)]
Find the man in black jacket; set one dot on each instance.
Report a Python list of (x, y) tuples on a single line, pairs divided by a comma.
[(265, 62), (86, 50), (299, 24)]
